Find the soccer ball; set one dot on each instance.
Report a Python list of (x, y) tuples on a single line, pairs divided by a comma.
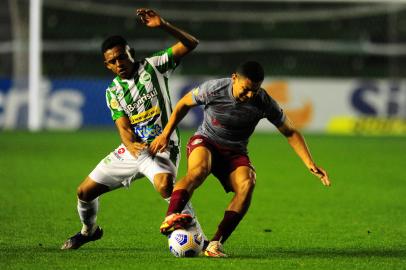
[(185, 243)]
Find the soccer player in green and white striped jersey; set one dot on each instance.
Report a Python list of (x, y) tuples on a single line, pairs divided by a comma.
[(140, 105)]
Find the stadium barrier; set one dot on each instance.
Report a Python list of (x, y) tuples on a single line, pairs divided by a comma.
[(336, 106)]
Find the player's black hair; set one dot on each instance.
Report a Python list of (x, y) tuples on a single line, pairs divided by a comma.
[(113, 41), (251, 70)]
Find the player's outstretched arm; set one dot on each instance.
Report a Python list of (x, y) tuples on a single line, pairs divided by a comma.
[(298, 143), (127, 136), (186, 43), (181, 109)]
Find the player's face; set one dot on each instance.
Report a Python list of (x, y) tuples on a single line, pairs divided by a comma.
[(243, 88), (118, 60)]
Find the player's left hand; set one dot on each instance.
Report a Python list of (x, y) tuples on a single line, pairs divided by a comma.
[(159, 144), (322, 174), (149, 17)]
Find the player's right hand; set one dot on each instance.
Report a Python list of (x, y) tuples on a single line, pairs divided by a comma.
[(149, 17), (159, 144), (321, 174), (136, 148)]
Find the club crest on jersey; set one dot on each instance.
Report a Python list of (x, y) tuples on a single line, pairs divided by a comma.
[(120, 93), (145, 77), (195, 91), (197, 141), (113, 88), (114, 104)]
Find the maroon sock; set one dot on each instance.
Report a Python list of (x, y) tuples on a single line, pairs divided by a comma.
[(178, 201), (227, 226)]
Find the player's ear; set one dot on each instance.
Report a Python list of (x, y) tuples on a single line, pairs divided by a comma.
[(234, 77), (106, 64), (130, 53)]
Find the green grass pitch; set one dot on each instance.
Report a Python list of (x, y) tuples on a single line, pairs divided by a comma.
[(293, 223)]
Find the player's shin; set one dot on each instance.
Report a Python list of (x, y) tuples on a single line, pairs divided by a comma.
[(226, 227), (188, 209), (179, 199), (88, 214)]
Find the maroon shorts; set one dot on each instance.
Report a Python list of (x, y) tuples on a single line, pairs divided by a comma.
[(224, 160)]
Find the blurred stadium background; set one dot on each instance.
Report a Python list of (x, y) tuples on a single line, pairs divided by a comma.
[(335, 66)]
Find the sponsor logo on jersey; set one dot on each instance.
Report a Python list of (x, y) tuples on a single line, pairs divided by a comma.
[(141, 117), (147, 96), (148, 132), (142, 99), (117, 153), (118, 156), (145, 77), (114, 104)]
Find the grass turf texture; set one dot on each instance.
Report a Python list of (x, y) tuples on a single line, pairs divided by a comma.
[(293, 223)]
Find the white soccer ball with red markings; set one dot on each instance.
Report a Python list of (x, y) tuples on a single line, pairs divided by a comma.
[(185, 243)]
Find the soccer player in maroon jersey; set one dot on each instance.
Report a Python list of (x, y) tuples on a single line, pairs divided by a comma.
[(232, 109)]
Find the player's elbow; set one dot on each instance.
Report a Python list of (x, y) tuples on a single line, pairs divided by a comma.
[(194, 43), (191, 43), (82, 194), (288, 132)]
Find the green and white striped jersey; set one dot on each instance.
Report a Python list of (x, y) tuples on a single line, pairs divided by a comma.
[(145, 98)]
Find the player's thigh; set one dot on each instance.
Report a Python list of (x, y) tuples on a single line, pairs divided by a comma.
[(163, 183), (199, 162), (242, 180)]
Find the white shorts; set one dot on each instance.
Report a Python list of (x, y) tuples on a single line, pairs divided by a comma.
[(120, 168)]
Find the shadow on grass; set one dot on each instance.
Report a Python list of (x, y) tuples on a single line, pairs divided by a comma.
[(84, 250), (318, 253), (260, 253)]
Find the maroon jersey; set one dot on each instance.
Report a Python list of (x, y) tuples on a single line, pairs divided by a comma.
[(228, 122)]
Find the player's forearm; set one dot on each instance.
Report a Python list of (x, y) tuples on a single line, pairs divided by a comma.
[(185, 38), (177, 115), (298, 143), (127, 136)]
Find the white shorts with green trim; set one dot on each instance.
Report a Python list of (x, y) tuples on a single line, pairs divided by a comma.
[(120, 168)]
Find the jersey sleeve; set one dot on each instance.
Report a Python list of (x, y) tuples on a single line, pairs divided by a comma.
[(163, 61), (273, 112), (113, 104), (202, 94)]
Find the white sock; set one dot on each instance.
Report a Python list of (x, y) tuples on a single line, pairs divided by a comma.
[(88, 214)]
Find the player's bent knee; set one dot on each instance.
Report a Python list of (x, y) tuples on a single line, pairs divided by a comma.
[(164, 186), (82, 194), (90, 190)]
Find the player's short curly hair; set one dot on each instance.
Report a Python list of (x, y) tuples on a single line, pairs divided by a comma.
[(113, 41), (251, 70)]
